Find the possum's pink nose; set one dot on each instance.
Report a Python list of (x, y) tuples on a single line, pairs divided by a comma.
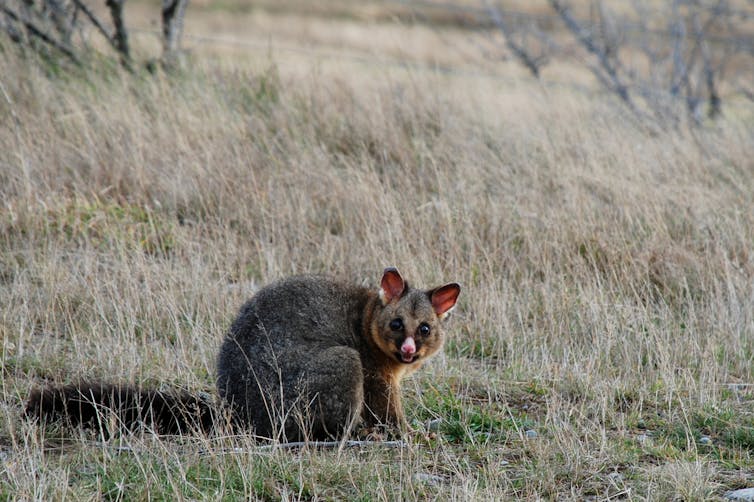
[(408, 349)]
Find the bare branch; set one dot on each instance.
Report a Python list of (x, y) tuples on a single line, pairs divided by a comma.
[(532, 63), (57, 13), (678, 34), (607, 29), (709, 73), (587, 41), (334, 444), (39, 33), (96, 22), (173, 12), (309, 444), (120, 36)]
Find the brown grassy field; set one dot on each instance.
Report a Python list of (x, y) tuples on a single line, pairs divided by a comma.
[(604, 343)]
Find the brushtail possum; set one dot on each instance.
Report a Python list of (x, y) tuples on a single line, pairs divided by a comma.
[(307, 357)]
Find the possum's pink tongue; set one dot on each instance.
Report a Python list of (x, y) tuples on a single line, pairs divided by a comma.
[(408, 350)]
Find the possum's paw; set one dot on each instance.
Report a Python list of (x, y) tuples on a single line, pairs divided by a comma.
[(374, 433), (379, 433)]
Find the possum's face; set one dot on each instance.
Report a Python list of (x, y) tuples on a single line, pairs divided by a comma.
[(408, 327)]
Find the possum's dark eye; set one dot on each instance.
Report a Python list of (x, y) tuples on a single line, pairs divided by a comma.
[(424, 329), (396, 325)]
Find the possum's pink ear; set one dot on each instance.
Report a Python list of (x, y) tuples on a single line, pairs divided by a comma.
[(392, 285), (444, 298)]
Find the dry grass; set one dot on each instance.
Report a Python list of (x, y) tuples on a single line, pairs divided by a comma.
[(607, 271)]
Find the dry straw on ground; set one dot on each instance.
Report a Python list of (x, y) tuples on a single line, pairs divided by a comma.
[(607, 268)]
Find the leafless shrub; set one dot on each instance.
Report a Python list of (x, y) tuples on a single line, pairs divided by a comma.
[(518, 41), (62, 27), (660, 62)]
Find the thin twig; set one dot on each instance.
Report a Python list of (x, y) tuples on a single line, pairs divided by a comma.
[(308, 444), (173, 12), (583, 36), (699, 47), (680, 68), (96, 22), (533, 64), (37, 32), (120, 37), (709, 72)]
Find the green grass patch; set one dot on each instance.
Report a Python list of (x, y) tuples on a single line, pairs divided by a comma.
[(469, 419), (104, 225), (247, 473)]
